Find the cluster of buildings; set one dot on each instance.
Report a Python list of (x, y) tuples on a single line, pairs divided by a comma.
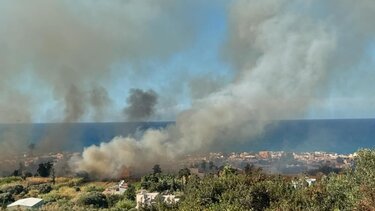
[(273, 161), (143, 197), (28, 163)]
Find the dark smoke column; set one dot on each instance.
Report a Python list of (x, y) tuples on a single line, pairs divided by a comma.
[(141, 104)]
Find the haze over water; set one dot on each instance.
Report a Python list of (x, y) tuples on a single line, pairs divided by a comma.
[(334, 135)]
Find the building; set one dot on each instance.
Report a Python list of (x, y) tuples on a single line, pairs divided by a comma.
[(145, 199), (122, 186), (170, 199), (310, 181), (264, 154), (118, 189), (26, 204)]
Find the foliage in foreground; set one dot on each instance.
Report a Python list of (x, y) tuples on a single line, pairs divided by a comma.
[(229, 189), (351, 189)]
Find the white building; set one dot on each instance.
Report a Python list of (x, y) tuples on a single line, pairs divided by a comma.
[(145, 198), (118, 189), (25, 204), (122, 186), (310, 181)]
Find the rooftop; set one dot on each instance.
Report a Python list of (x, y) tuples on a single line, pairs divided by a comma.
[(27, 202)]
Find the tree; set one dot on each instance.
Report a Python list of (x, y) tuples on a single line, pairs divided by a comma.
[(156, 169), (44, 188), (27, 174), (211, 165), (95, 199), (203, 165), (248, 168), (53, 175), (44, 169), (228, 171), (16, 173), (364, 174), (184, 172), (252, 170), (130, 193)]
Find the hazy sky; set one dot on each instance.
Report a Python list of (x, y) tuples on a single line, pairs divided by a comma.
[(178, 49)]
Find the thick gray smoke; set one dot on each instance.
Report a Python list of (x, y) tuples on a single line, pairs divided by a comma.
[(75, 107), (100, 101), (63, 47), (63, 54), (141, 104), (285, 53), (77, 102), (204, 85)]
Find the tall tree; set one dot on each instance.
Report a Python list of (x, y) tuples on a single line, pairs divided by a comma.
[(156, 169), (44, 169)]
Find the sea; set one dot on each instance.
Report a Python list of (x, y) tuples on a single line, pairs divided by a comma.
[(329, 135)]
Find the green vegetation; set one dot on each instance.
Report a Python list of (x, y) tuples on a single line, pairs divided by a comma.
[(93, 199), (8, 180), (228, 189)]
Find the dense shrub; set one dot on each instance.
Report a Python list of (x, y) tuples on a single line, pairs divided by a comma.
[(14, 189), (94, 199), (160, 182), (93, 188), (125, 204), (112, 199), (130, 193), (364, 175), (7, 180), (44, 188), (52, 197), (5, 199), (27, 174)]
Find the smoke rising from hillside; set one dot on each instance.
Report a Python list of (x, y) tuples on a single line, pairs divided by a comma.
[(100, 101), (285, 53), (66, 46), (52, 53), (141, 104)]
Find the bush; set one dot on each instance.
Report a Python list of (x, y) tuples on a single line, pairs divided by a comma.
[(15, 189), (113, 199), (130, 193), (95, 199), (125, 204), (76, 182), (44, 188), (5, 199), (93, 188), (33, 193), (52, 197), (27, 174), (7, 180), (67, 192)]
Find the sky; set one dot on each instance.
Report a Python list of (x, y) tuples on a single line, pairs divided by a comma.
[(177, 50)]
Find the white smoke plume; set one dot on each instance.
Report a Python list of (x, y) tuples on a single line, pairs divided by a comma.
[(285, 53)]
